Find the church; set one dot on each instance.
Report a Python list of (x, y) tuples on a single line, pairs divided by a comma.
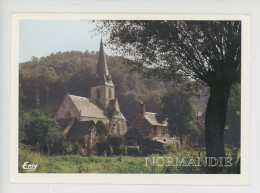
[(95, 108)]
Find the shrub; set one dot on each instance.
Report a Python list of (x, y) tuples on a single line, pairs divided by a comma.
[(102, 145), (169, 148), (121, 151), (101, 128), (115, 140), (42, 132), (76, 148), (148, 151), (132, 150), (69, 148)]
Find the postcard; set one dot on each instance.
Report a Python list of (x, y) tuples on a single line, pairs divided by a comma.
[(130, 98)]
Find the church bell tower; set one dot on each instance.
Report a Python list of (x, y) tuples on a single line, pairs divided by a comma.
[(103, 88)]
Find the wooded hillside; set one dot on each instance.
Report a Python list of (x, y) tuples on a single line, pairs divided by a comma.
[(45, 81)]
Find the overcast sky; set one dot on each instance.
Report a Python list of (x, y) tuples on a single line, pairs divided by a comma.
[(42, 37)]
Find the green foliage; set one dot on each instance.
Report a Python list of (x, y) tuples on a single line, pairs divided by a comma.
[(121, 151), (132, 151), (165, 46), (233, 124), (101, 128), (41, 131), (148, 151), (177, 107), (102, 144), (169, 148), (196, 132), (76, 147), (116, 140), (234, 101), (111, 113)]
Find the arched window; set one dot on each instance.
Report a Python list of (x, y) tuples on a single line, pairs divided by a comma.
[(67, 114), (98, 93), (110, 93)]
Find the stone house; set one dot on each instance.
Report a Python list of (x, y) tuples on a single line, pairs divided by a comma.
[(102, 97), (148, 126), (84, 132)]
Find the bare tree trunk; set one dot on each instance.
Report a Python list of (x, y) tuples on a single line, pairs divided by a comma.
[(215, 120)]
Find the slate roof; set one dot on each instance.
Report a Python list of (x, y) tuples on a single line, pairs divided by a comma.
[(88, 107), (79, 130), (153, 120), (91, 108), (102, 63), (63, 122)]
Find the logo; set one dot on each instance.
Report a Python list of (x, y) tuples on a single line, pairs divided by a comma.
[(29, 167)]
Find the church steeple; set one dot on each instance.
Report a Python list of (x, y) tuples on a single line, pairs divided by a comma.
[(102, 74), (103, 88), (102, 63)]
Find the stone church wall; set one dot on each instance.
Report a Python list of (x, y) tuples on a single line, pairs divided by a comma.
[(67, 107)]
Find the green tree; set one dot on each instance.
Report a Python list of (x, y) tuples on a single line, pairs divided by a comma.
[(102, 144), (111, 114), (41, 131), (206, 51), (47, 76), (116, 140), (233, 124), (196, 132), (177, 107), (101, 128)]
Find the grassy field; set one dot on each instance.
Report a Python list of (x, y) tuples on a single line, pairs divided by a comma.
[(100, 164)]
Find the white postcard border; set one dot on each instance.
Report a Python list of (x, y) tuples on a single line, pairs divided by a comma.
[(179, 179)]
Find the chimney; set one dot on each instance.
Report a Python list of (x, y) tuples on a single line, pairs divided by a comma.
[(142, 109)]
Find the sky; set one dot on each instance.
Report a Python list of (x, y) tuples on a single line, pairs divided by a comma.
[(42, 37)]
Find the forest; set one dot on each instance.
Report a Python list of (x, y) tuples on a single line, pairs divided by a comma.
[(45, 81)]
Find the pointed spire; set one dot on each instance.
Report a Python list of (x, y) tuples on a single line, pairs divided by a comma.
[(102, 75), (102, 69)]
